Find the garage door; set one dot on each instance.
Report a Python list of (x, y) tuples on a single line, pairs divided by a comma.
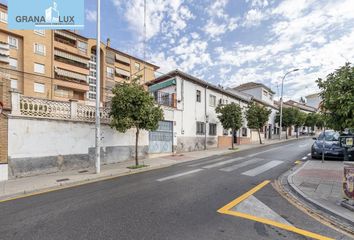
[(161, 140)]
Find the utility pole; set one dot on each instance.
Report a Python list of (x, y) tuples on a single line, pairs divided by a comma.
[(98, 88)]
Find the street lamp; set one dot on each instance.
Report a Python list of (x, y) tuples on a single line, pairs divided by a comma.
[(281, 101)]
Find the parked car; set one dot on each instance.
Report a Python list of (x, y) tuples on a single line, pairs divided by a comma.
[(332, 148)]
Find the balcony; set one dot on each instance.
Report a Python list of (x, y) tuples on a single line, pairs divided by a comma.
[(70, 76), (165, 99), (4, 52)]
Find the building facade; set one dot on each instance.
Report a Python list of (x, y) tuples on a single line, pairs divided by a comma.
[(61, 64), (191, 121), (262, 95), (314, 100)]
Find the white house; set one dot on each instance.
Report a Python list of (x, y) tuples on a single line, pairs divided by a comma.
[(263, 95), (313, 100), (191, 122)]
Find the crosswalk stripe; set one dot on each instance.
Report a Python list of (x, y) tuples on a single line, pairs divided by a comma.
[(257, 153), (240, 165), (206, 162), (263, 168), (179, 175), (218, 164)]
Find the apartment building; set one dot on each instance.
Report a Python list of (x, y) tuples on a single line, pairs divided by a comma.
[(191, 121), (61, 64)]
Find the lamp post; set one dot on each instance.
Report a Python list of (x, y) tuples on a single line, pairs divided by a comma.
[(98, 89), (281, 101)]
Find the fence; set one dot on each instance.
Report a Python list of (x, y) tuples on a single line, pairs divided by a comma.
[(43, 108)]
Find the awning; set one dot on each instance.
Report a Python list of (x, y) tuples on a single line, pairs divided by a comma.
[(161, 85), (65, 73), (122, 59), (61, 33), (70, 57), (122, 72)]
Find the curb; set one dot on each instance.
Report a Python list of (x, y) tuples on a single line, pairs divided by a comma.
[(313, 202), (78, 183), (62, 186)]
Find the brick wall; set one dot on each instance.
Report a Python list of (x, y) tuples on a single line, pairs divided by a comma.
[(5, 99)]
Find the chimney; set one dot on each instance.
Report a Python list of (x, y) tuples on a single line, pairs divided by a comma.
[(108, 42)]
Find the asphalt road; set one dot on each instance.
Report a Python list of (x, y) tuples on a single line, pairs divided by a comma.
[(178, 202)]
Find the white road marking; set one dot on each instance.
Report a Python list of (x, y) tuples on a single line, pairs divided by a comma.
[(240, 165), (304, 158), (309, 154), (302, 145), (207, 161), (179, 175), (223, 162), (263, 168), (255, 154)]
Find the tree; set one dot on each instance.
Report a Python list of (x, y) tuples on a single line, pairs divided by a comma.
[(337, 92), (299, 120), (310, 121), (230, 116), (288, 119), (133, 107), (257, 116)]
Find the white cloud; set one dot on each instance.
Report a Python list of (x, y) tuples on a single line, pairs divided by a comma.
[(91, 15), (253, 18)]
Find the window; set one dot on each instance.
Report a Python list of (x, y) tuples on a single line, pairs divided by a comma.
[(265, 93), (199, 96), (137, 66), (3, 17), (244, 132), (200, 128), (92, 81), (13, 62), (39, 68), (93, 74), (39, 32), (110, 72), (225, 132), (212, 129), (82, 46), (92, 89), (14, 83), (92, 95), (39, 49), (212, 100), (39, 87), (13, 42)]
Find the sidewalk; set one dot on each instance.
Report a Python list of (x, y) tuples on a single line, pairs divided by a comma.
[(42, 183), (321, 184)]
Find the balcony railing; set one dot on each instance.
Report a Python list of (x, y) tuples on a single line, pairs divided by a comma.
[(165, 99)]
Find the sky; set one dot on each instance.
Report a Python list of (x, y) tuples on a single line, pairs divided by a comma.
[(230, 42)]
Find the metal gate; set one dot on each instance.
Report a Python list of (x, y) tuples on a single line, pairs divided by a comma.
[(161, 140)]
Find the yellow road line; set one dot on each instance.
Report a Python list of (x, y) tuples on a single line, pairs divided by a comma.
[(298, 162), (230, 205), (226, 210)]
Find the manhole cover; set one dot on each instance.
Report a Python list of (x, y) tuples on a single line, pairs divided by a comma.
[(309, 185)]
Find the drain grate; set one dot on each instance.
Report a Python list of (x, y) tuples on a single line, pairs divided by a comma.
[(309, 185), (83, 171), (63, 180)]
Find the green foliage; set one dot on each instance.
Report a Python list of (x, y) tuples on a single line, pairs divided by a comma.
[(299, 117), (289, 117), (230, 116), (311, 120), (132, 106), (337, 92), (257, 116)]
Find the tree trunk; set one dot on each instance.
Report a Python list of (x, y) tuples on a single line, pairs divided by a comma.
[(286, 133), (136, 147), (259, 136), (232, 139)]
